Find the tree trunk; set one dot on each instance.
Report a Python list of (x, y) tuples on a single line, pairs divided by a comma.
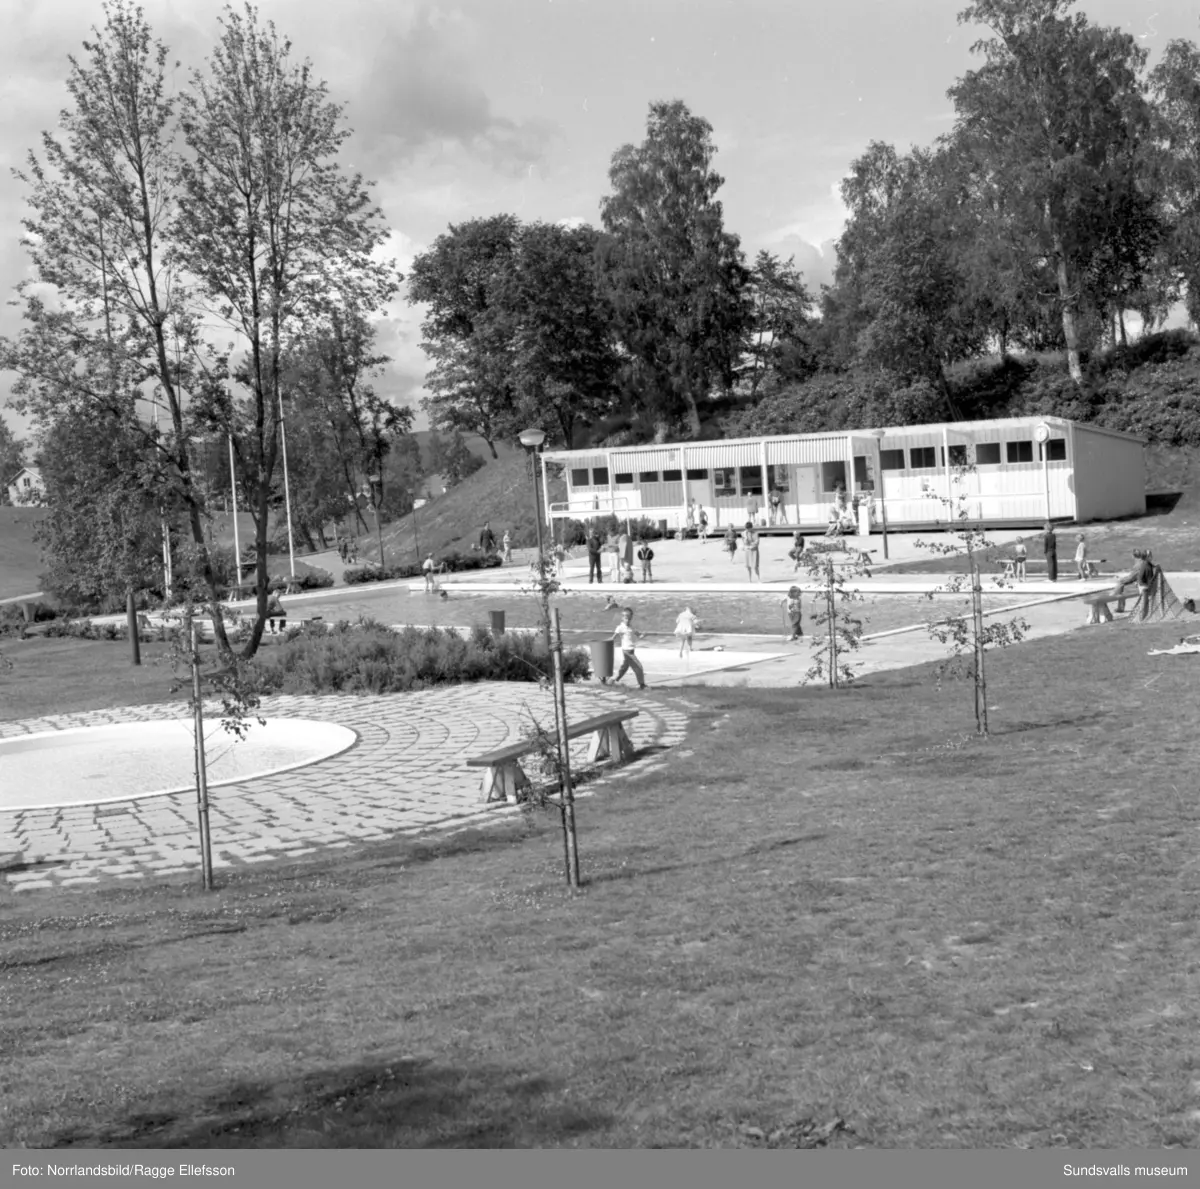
[(1121, 324), (693, 416), (1070, 310)]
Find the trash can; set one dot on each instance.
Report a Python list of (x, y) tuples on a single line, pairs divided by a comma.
[(602, 659), (497, 622)]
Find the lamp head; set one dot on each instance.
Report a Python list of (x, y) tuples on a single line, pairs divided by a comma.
[(531, 439)]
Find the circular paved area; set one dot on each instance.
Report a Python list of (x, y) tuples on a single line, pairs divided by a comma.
[(407, 773)]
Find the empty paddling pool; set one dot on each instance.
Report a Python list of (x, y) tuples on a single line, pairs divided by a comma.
[(127, 761)]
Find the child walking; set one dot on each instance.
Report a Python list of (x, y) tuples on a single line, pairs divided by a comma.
[(796, 552), (1020, 553), (792, 609), (1081, 561), (627, 637), (646, 556), (731, 544), (506, 557), (703, 527), (685, 628)]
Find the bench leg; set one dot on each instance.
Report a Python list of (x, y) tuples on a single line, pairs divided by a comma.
[(503, 782), (598, 748)]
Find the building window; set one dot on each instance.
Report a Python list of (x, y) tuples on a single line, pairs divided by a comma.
[(600, 476), (987, 454), (777, 476), (958, 456), (579, 478), (623, 477), (1019, 451), (751, 480), (922, 458), (1056, 450), (698, 473), (862, 473), (833, 476), (647, 476), (672, 476), (893, 460), (724, 481)]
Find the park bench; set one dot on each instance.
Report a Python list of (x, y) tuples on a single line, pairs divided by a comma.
[(1093, 567), (503, 778)]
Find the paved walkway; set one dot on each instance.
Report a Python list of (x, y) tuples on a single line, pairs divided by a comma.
[(405, 775)]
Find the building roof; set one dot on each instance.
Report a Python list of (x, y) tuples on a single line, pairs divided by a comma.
[(899, 431), (24, 471)]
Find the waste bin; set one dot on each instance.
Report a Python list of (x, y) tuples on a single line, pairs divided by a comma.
[(497, 622), (602, 659)]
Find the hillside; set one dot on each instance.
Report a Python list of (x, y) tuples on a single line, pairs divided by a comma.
[(501, 492)]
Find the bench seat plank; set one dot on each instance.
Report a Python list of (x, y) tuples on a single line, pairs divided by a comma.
[(503, 778)]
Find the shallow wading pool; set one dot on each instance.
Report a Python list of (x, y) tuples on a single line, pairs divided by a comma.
[(127, 761)]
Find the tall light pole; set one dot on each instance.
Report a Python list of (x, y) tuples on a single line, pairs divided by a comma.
[(878, 435), (287, 491), (375, 502), (531, 439), (237, 544)]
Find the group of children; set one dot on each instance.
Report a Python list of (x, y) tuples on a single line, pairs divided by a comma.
[(1050, 550)]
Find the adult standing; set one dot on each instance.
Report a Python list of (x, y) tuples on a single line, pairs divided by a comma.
[(750, 545), (595, 558), (487, 539), (1050, 549)]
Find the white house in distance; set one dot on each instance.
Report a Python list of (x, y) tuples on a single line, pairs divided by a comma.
[(1026, 470), (26, 487)]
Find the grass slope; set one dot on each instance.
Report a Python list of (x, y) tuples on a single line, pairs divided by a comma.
[(823, 907), (500, 492), (20, 557)]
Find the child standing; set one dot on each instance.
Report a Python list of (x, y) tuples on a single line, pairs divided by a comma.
[(627, 637), (1081, 562), (1020, 553), (731, 544), (792, 609), (685, 628), (750, 545), (645, 556), (703, 526), (506, 558)]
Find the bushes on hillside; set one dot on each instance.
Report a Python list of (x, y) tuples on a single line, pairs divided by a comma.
[(454, 563), (370, 658)]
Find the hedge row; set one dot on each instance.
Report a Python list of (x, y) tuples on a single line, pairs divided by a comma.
[(453, 562)]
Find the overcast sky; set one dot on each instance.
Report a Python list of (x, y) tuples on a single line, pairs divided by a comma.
[(485, 106)]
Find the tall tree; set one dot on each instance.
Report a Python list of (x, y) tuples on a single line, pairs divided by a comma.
[(1056, 114), (564, 357), (275, 235), (122, 319), (12, 458), (781, 314), (466, 335), (1175, 84), (676, 280)]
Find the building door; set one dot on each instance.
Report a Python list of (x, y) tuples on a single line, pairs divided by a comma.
[(804, 494)]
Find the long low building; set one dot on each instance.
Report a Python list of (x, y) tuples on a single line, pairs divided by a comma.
[(1019, 471)]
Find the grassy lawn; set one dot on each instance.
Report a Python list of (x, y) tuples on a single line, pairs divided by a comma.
[(821, 907)]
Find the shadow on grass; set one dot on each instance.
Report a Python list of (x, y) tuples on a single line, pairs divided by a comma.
[(406, 1103)]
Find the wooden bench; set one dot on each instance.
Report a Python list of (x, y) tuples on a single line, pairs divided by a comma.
[(503, 778), (1010, 566)]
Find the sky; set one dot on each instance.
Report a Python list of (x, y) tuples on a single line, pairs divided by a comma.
[(465, 110)]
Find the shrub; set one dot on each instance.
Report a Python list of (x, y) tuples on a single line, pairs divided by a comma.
[(369, 658)]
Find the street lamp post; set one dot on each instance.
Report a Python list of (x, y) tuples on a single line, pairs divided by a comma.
[(878, 435), (531, 439), (375, 481)]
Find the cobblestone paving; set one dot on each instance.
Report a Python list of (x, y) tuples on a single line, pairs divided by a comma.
[(407, 773)]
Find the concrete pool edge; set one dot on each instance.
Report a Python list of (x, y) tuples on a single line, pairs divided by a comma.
[(347, 738)]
